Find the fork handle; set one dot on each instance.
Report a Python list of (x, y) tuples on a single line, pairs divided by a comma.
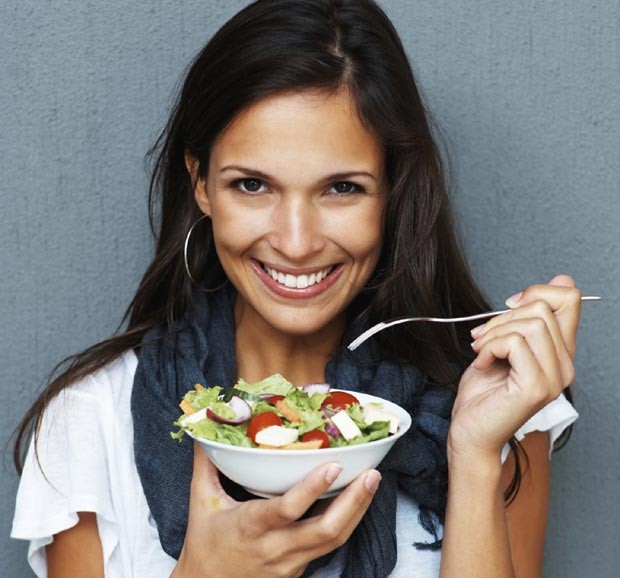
[(385, 324)]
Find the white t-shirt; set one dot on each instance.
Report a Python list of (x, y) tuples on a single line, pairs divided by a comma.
[(86, 452)]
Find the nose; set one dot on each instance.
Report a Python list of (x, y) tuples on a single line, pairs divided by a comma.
[(297, 229)]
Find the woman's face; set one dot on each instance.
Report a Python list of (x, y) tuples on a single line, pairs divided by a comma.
[(295, 193)]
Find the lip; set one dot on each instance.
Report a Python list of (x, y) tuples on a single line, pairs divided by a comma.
[(294, 293)]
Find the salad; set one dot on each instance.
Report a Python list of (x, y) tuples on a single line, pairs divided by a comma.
[(275, 414)]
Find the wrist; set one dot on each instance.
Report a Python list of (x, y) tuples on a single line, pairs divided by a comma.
[(474, 463), (459, 451)]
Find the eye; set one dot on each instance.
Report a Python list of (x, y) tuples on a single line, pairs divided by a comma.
[(248, 186), (345, 187)]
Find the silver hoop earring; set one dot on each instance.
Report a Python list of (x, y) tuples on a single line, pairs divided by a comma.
[(189, 274)]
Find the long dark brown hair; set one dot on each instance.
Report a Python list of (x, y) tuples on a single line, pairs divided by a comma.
[(275, 46)]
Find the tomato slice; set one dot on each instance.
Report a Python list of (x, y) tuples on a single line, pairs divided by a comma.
[(260, 422), (339, 400), (316, 434), (273, 399)]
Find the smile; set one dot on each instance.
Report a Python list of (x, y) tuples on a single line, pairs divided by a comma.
[(297, 281), (308, 283)]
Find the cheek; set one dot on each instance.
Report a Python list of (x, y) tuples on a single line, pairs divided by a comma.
[(360, 234), (230, 239), (234, 228)]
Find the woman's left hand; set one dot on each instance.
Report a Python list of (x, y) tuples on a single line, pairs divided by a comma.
[(525, 360)]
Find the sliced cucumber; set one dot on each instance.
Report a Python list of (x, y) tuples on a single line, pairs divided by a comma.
[(252, 398)]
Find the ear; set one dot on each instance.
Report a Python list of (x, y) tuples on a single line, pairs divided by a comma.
[(198, 184)]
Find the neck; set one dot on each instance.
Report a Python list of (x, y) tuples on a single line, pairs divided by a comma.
[(261, 350)]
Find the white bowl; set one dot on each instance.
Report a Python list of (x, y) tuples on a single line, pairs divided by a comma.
[(270, 473)]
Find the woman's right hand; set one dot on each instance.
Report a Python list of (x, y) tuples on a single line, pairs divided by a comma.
[(266, 537)]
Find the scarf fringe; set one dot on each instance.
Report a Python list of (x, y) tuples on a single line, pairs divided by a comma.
[(429, 523)]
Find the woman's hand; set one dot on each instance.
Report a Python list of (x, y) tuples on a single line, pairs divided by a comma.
[(266, 538), (525, 360)]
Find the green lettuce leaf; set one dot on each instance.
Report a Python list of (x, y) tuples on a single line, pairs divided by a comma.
[(355, 413), (274, 384), (262, 407), (222, 410), (300, 401), (221, 432), (310, 420), (203, 397), (375, 431)]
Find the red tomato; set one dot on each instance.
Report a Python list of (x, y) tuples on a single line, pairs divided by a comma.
[(316, 434), (260, 422), (273, 399), (339, 400)]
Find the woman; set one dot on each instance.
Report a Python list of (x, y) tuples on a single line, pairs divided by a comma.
[(299, 169)]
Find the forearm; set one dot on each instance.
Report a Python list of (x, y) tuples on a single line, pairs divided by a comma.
[(475, 542)]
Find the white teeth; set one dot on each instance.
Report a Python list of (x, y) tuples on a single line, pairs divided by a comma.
[(300, 281)]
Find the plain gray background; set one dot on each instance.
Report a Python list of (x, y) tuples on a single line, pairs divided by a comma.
[(527, 93)]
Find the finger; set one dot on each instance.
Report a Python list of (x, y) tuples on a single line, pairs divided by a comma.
[(291, 506), (537, 309), (320, 506), (562, 281), (322, 534), (564, 300), (528, 376), (538, 339), (206, 490)]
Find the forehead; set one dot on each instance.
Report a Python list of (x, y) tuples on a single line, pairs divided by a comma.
[(299, 133)]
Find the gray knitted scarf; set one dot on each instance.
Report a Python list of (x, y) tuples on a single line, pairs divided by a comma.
[(200, 349)]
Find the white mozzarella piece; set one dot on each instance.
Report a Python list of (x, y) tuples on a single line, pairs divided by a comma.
[(346, 425), (276, 436), (372, 414), (195, 417)]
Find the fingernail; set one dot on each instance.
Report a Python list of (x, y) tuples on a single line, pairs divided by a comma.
[(332, 472), (473, 344), (371, 481), (476, 331), (512, 301)]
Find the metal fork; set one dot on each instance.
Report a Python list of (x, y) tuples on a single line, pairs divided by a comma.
[(385, 324)]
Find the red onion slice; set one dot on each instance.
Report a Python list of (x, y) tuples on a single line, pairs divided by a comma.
[(328, 413), (242, 409), (332, 430), (316, 388)]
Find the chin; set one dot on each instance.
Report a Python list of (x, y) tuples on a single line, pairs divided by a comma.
[(299, 322)]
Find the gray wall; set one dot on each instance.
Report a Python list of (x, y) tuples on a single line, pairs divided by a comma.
[(527, 93)]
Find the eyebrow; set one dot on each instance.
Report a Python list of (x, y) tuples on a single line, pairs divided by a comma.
[(332, 177)]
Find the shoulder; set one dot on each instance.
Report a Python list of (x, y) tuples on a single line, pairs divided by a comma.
[(84, 462), (107, 389), (110, 380), (77, 440), (83, 420)]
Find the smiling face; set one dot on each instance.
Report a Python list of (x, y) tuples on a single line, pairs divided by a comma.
[(295, 193)]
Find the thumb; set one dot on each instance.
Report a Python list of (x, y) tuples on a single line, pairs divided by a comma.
[(562, 281), (206, 488)]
